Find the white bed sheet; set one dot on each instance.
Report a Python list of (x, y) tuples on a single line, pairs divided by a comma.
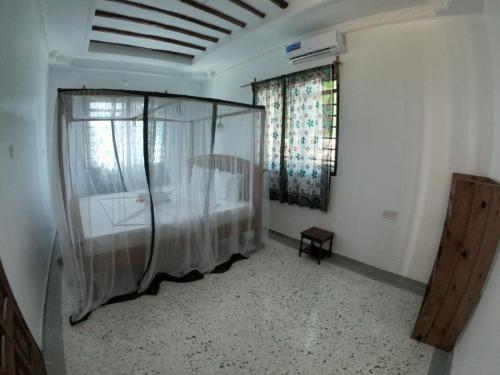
[(124, 214)]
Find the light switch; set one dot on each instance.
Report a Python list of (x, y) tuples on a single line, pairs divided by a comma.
[(11, 152)]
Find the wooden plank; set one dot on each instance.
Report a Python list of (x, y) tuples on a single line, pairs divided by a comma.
[(173, 14), (147, 36), (173, 53), (248, 7), (472, 292), (457, 218), (467, 250), (143, 21), (468, 177), (18, 350), (466, 262), (281, 3), (214, 12)]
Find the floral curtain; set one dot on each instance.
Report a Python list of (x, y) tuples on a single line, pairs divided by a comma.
[(301, 127), (270, 95)]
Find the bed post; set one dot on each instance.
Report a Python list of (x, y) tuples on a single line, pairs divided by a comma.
[(259, 171)]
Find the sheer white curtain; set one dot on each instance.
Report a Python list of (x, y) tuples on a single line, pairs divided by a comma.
[(137, 210)]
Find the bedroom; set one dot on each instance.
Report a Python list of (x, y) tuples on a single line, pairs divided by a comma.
[(418, 99)]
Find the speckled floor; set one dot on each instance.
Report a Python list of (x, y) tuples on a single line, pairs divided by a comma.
[(274, 313)]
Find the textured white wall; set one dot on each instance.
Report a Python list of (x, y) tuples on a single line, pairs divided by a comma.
[(478, 349), (416, 104), (25, 237)]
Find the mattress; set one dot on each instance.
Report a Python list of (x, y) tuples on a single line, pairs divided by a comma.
[(111, 221)]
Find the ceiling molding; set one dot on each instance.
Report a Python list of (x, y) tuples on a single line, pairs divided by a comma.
[(61, 61)]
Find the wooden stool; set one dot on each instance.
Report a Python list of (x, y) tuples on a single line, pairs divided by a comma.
[(320, 236)]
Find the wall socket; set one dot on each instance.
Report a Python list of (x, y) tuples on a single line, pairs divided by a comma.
[(390, 215)]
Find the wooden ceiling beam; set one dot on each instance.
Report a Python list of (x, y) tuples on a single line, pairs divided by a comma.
[(167, 52), (173, 14), (214, 12), (147, 36), (281, 3), (248, 7), (143, 21)]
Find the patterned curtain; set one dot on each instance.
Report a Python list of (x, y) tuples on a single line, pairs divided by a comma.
[(301, 126), (270, 95)]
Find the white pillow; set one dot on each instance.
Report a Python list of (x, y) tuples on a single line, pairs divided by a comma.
[(199, 178), (228, 186)]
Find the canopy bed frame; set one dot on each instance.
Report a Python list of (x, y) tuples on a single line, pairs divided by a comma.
[(117, 243)]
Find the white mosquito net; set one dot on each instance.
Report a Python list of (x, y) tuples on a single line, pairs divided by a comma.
[(155, 187)]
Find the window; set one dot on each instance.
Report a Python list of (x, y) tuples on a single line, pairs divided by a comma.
[(113, 135), (108, 139), (301, 134)]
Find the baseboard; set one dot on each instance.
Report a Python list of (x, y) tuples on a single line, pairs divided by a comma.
[(361, 268), (46, 287)]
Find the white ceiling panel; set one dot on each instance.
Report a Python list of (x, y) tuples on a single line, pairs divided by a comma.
[(156, 17), (233, 10), (150, 30), (69, 28), (106, 37), (141, 53), (265, 6), (178, 7)]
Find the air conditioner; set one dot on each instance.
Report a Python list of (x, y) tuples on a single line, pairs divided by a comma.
[(332, 43)]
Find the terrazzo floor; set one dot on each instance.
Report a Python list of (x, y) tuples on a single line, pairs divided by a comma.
[(274, 313)]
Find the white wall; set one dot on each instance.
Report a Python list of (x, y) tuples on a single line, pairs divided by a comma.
[(25, 237), (69, 78), (416, 104), (478, 350)]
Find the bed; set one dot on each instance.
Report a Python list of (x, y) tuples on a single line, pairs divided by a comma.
[(154, 184), (112, 227)]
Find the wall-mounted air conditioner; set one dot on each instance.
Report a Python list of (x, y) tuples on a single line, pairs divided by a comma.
[(331, 43)]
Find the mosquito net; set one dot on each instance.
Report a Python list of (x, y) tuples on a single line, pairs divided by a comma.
[(155, 187)]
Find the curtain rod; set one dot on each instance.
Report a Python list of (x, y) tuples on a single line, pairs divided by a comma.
[(335, 62)]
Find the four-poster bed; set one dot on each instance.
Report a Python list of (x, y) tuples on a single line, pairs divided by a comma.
[(178, 192)]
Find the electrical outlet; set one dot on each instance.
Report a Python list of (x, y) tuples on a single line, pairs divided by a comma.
[(390, 215)]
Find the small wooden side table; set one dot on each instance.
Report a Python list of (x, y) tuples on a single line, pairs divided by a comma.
[(318, 237)]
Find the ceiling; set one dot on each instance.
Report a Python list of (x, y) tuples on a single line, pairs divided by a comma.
[(175, 30), (193, 38)]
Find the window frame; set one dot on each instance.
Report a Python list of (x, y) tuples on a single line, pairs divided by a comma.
[(336, 90)]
